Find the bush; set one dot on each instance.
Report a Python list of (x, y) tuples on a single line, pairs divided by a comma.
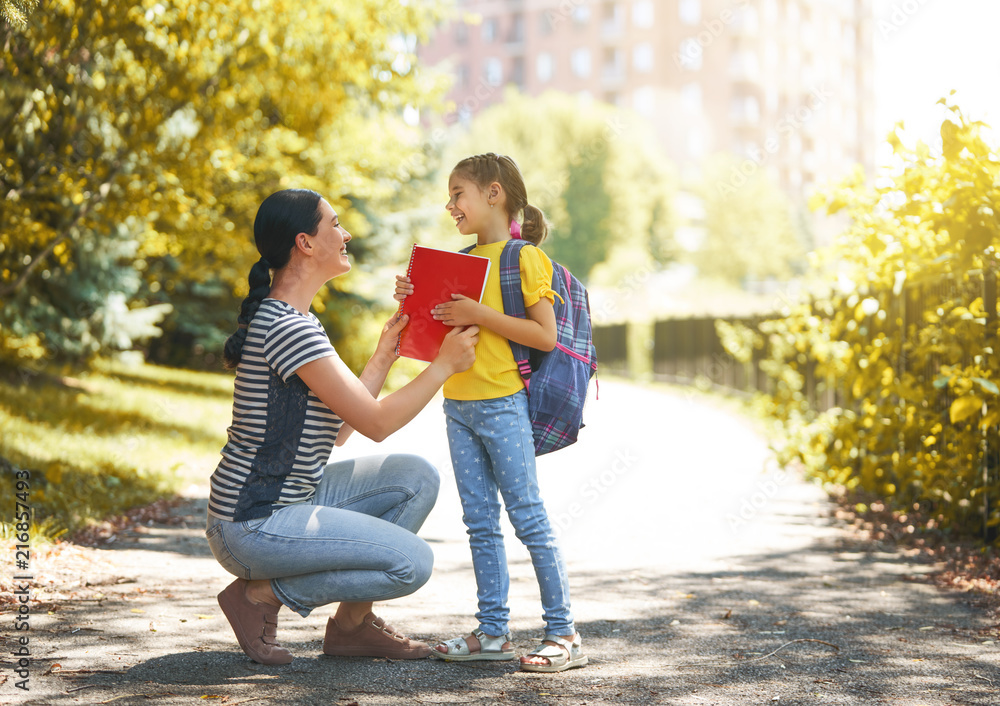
[(902, 337)]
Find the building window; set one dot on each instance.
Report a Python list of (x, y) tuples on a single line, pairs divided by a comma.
[(642, 57), (690, 11), (644, 101), (642, 13), (581, 14), (613, 22), (771, 99), (580, 62), (544, 67), (614, 65), (517, 71), (613, 98), (745, 110), (744, 65), (689, 56), (745, 19), (691, 98), (516, 29), (770, 12), (490, 26), (849, 40), (494, 71), (461, 33), (462, 75)]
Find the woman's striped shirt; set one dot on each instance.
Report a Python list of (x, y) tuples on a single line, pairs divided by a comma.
[(282, 434)]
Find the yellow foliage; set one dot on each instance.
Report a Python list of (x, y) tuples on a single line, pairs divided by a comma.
[(908, 305), (181, 117), (965, 407)]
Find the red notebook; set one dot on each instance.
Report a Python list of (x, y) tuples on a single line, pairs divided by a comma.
[(435, 276)]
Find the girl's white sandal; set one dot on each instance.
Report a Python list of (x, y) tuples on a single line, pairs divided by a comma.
[(567, 656), (490, 649)]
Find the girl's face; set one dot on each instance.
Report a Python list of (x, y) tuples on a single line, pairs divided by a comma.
[(468, 205)]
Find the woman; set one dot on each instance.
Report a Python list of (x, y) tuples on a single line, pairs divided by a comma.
[(296, 531)]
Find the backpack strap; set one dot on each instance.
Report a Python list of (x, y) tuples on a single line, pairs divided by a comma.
[(513, 299)]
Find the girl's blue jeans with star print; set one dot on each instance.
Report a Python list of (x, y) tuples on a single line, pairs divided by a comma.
[(494, 456)]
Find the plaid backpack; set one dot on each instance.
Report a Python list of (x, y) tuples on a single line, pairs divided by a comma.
[(557, 380)]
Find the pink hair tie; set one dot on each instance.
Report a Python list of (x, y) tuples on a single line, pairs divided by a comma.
[(515, 230)]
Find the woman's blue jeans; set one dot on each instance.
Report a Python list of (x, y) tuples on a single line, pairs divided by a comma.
[(354, 541), (493, 454)]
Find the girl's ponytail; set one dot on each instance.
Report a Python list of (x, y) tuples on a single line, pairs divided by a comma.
[(260, 287), (535, 228)]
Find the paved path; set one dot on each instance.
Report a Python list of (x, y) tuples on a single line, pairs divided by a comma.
[(701, 574)]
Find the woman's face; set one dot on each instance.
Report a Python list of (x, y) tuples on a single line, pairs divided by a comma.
[(331, 242)]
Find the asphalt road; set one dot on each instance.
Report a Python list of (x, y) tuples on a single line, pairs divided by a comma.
[(701, 574)]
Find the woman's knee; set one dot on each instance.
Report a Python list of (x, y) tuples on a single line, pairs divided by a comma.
[(417, 570), (421, 475), (423, 565)]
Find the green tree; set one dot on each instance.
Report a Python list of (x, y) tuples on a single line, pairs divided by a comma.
[(173, 120), (590, 168), (750, 231)]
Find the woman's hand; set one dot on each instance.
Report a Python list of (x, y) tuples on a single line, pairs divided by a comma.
[(458, 350), (403, 288), (387, 340), (460, 311)]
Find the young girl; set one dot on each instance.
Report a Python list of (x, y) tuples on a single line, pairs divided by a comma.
[(486, 409)]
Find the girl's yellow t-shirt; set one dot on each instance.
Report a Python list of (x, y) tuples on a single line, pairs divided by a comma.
[(494, 374)]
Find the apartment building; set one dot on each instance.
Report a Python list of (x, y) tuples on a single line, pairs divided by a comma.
[(785, 85)]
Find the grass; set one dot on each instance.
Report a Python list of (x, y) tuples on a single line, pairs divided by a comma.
[(109, 439)]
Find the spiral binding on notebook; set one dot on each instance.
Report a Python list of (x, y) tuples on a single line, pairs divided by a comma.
[(400, 312)]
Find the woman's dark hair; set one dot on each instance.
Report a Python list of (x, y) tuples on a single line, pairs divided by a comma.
[(281, 217), (484, 169)]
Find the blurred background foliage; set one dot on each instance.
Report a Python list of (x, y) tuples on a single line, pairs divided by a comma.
[(752, 233), (137, 139), (607, 196), (902, 326)]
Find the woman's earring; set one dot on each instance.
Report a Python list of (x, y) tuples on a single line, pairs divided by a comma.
[(492, 205)]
